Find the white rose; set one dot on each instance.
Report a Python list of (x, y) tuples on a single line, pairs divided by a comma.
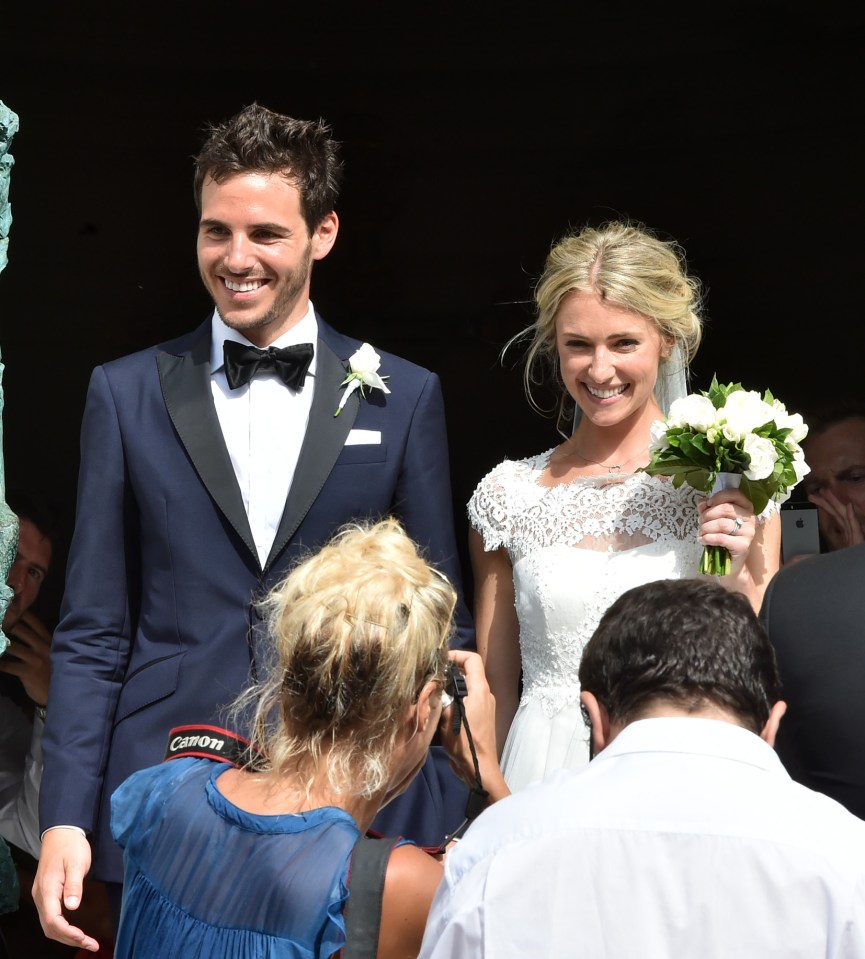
[(789, 421), (692, 411), (658, 435), (744, 412), (801, 468), (364, 360), (796, 425), (364, 364), (763, 457)]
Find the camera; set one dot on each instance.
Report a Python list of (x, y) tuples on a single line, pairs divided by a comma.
[(455, 682), (454, 692)]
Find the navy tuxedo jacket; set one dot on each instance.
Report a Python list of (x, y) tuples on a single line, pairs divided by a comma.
[(163, 574)]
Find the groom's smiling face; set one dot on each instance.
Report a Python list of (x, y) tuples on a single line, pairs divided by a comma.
[(255, 252)]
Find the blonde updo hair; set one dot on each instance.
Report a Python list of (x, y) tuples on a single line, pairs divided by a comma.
[(357, 630), (627, 266)]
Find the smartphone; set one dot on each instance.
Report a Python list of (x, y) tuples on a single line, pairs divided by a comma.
[(800, 532)]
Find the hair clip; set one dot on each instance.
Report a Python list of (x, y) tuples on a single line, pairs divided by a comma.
[(353, 620)]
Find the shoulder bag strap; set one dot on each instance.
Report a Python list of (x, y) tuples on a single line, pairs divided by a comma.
[(366, 892)]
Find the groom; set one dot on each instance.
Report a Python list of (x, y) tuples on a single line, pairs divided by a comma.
[(209, 465)]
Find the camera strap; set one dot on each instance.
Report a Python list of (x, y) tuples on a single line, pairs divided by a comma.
[(206, 742), (478, 796)]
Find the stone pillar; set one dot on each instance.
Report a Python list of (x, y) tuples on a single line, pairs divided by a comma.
[(9, 891), (8, 520)]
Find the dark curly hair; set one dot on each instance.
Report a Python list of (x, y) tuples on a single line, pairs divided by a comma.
[(689, 642), (257, 140)]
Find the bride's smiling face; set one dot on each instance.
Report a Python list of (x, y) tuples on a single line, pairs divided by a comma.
[(609, 358)]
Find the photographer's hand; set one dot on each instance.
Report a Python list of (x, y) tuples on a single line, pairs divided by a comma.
[(30, 645), (480, 707)]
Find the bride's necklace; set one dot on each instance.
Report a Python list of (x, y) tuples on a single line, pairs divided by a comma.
[(611, 468)]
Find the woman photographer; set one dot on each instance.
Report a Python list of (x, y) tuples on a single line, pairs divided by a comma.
[(254, 861)]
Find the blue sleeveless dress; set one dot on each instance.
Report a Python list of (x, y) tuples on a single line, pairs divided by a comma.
[(206, 879)]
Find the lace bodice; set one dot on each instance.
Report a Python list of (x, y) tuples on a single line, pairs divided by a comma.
[(575, 548)]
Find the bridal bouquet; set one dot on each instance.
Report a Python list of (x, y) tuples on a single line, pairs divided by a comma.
[(728, 436)]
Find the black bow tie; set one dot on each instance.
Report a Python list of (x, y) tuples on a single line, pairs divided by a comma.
[(243, 362)]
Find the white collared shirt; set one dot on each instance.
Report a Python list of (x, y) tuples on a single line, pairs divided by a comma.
[(684, 837), (263, 424), (20, 777)]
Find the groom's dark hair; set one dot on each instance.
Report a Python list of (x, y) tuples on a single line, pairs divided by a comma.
[(689, 642), (257, 140)]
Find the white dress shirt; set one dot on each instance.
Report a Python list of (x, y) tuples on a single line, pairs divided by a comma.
[(683, 838), (263, 424), (20, 777)]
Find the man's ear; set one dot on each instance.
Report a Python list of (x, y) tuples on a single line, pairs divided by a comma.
[(770, 730), (324, 236), (599, 719)]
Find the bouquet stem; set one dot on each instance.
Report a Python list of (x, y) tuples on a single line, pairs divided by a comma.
[(715, 561)]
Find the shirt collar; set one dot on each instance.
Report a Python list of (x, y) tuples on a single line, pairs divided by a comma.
[(706, 737), (304, 331)]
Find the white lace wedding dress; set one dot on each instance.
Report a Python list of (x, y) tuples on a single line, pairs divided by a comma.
[(575, 548)]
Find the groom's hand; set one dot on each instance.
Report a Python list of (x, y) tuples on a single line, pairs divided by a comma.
[(63, 863)]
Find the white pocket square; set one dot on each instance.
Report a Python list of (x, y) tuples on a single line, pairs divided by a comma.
[(363, 438)]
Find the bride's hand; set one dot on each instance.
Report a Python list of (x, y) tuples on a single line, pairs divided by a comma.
[(727, 519)]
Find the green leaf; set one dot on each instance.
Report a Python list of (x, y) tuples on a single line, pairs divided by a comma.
[(715, 394), (701, 443), (756, 492), (697, 449), (701, 480)]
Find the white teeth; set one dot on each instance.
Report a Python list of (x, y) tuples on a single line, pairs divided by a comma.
[(245, 287), (606, 394)]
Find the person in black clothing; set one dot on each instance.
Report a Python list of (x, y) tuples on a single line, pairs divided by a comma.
[(814, 614)]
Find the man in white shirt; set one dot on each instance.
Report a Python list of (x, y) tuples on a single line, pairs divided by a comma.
[(684, 836), (210, 465)]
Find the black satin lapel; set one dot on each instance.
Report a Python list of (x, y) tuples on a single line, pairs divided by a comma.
[(186, 389), (324, 440)]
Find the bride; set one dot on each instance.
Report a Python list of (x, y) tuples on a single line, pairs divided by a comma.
[(557, 537)]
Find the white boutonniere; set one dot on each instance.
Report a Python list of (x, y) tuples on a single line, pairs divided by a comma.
[(363, 367)]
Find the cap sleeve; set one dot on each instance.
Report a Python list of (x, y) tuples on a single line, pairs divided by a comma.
[(489, 508)]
